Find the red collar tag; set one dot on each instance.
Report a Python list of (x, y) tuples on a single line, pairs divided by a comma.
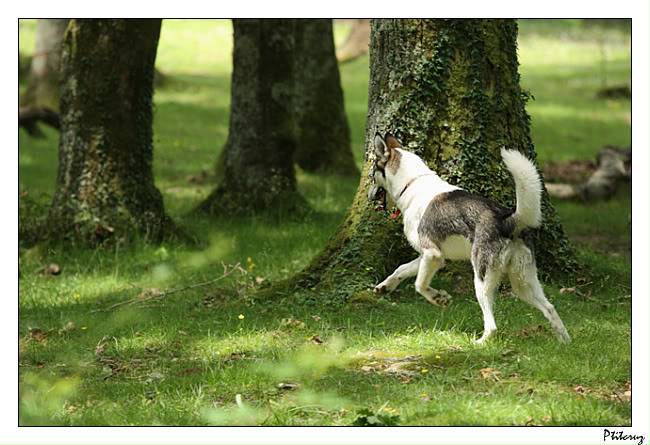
[(395, 214)]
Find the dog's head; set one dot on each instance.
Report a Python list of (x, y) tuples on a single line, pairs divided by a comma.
[(385, 166)]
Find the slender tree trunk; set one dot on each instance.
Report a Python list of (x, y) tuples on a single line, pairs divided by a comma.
[(105, 185), (449, 89), (257, 172), (43, 83), (356, 43), (322, 126)]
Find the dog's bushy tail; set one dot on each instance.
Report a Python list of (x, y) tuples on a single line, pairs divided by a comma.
[(529, 189)]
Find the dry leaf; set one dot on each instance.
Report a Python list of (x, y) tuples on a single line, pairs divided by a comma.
[(624, 395), (316, 339), (580, 389), (148, 294), (36, 334), (292, 323), (286, 386), (50, 269), (567, 290), (68, 327), (489, 374)]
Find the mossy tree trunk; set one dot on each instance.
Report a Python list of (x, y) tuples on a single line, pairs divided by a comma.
[(105, 185), (449, 89), (257, 172), (43, 81), (322, 126)]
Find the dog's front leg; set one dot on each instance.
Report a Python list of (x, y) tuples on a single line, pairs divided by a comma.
[(431, 261), (404, 271)]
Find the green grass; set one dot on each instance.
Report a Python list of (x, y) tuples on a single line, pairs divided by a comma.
[(184, 358)]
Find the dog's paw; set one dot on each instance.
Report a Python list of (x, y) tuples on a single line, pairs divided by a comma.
[(381, 289), (438, 297), (441, 297), (386, 286), (564, 337)]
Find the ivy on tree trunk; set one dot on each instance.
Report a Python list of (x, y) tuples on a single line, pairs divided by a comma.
[(105, 186), (450, 90)]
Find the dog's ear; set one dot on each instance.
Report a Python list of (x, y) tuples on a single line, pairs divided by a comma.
[(392, 142), (382, 152)]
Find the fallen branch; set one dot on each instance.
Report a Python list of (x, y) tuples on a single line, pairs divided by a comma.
[(613, 165), (29, 117), (155, 294)]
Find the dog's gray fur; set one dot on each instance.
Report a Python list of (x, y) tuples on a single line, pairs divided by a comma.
[(485, 223)]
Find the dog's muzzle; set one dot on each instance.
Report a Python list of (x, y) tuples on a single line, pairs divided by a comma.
[(377, 193)]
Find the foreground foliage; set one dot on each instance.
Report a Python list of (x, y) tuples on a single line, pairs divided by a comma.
[(219, 354)]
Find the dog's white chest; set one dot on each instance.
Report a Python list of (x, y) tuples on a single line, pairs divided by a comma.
[(456, 247)]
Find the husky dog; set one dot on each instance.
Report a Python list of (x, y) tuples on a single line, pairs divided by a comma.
[(442, 221)]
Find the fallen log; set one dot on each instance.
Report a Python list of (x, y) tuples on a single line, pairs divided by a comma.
[(614, 164), (29, 117)]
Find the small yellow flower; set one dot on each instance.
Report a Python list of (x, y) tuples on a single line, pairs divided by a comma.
[(438, 357), (84, 327), (241, 316), (424, 370)]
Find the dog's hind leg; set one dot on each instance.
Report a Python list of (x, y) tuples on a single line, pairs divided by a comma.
[(526, 285), (529, 289), (485, 289), (404, 271), (430, 262)]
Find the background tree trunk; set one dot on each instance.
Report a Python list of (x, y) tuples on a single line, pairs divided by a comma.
[(105, 181), (356, 43), (449, 89), (257, 168), (322, 126), (43, 82)]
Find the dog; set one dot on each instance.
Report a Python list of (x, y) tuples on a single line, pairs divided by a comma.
[(444, 222)]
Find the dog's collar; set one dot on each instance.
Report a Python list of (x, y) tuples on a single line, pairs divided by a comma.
[(408, 184)]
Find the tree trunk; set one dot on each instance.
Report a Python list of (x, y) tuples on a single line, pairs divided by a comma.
[(105, 185), (322, 126), (43, 83), (449, 89), (356, 43), (257, 169)]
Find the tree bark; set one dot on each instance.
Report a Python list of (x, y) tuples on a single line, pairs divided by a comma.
[(257, 172), (322, 125), (105, 187), (356, 43), (449, 89), (43, 82)]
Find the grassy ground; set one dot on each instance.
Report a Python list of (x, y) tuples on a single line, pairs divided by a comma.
[(185, 357)]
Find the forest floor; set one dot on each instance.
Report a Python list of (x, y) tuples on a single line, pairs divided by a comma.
[(217, 354)]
